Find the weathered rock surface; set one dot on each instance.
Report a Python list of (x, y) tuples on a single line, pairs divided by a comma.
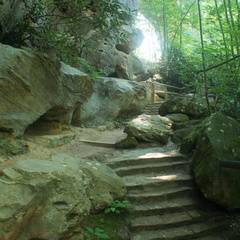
[(150, 128), (186, 133), (34, 85), (114, 55), (8, 9), (112, 99), (189, 142), (219, 141), (177, 117), (189, 105), (47, 199), (128, 142)]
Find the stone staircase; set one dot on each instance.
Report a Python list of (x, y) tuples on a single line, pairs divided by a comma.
[(166, 204), (152, 108)]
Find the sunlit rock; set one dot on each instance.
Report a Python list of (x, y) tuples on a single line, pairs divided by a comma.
[(149, 128)]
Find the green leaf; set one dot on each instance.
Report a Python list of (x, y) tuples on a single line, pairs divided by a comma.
[(102, 235), (98, 230), (90, 230), (107, 210)]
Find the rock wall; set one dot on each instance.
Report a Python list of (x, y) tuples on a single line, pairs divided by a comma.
[(112, 99), (113, 54), (109, 52), (35, 85)]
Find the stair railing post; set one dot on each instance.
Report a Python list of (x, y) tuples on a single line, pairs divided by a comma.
[(166, 93), (153, 92)]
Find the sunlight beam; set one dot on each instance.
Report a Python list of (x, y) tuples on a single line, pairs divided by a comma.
[(150, 48)]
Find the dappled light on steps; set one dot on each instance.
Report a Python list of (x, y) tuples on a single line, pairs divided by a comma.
[(166, 177)]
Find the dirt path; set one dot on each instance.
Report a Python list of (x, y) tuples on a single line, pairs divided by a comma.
[(39, 150)]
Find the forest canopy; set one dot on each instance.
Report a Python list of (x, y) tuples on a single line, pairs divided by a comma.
[(200, 46)]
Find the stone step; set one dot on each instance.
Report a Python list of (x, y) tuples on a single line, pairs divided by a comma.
[(164, 207), (135, 184), (151, 113), (149, 168), (191, 231), (117, 163), (212, 237), (161, 194), (152, 108), (162, 222)]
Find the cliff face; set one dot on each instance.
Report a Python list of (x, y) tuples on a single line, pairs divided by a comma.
[(36, 86), (98, 36), (113, 54)]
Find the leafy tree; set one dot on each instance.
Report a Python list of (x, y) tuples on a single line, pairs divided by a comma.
[(200, 44)]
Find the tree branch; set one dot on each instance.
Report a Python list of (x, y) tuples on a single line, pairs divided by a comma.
[(218, 65)]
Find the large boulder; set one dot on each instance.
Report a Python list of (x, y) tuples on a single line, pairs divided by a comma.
[(112, 99), (36, 85), (190, 105), (219, 141), (47, 199), (149, 128)]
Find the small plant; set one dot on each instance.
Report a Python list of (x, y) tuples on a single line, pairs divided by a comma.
[(118, 206), (86, 67), (97, 232)]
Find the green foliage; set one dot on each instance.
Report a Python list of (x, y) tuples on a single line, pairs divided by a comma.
[(6, 143), (86, 67), (63, 26), (105, 225), (117, 206), (178, 28), (97, 232)]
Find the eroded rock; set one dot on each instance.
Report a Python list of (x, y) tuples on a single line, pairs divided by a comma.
[(112, 99), (36, 85)]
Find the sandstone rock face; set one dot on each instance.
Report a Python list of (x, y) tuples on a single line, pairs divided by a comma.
[(34, 85), (219, 141), (112, 98), (189, 105), (114, 54), (150, 128), (110, 53), (8, 9), (47, 199)]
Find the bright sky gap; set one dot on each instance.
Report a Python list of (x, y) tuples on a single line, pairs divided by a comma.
[(150, 48)]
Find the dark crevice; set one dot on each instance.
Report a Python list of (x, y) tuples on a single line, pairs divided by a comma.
[(72, 216), (114, 75), (123, 48)]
